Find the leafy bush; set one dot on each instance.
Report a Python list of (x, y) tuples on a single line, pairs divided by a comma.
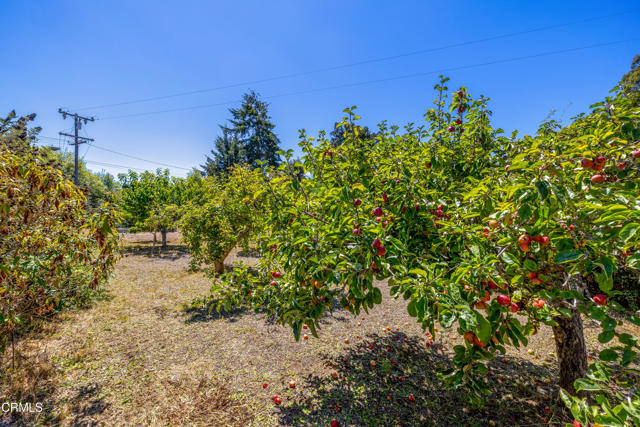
[(53, 253)]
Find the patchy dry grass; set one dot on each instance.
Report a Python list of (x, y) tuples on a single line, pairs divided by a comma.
[(137, 358)]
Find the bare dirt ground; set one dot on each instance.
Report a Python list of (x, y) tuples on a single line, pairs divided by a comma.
[(138, 358)]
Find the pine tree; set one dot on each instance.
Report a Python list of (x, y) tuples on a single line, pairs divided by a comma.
[(227, 152), (253, 126)]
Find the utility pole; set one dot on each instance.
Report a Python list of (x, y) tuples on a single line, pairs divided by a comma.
[(77, 140)]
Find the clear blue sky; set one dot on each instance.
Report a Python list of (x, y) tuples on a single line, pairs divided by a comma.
[(74, 54)]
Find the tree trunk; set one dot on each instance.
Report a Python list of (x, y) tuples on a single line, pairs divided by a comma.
[(164, 238), (218, 266), (572, 353)]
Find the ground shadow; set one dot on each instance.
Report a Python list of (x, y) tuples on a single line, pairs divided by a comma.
[(209, 313), (355, 392), (169, 252)]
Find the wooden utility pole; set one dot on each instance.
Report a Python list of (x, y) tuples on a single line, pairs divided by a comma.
[(77, 140)]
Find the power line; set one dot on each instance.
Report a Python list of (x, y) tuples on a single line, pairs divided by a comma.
[(363, 62), (113, 165), (405, 76), (138, 158), (127, 155)]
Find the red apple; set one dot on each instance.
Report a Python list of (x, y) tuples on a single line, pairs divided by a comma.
[(514, 308), (264, 385), (335, 423), (597, 179), (452, 129), (503, 300), (545, 241), (376, 243), (587, 163), (621, 165), (381, 251), (276, 274), (636, 154), (346, 340), (384, 197), (524, 239), (273, 283), (292, 384), (377, 212), (356, 231), (600, 299), (357, 202), (532, 275), (539, 303), (411, 398)]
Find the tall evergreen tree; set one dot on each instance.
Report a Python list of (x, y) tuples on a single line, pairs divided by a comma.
[(248, 138), (228, 151)]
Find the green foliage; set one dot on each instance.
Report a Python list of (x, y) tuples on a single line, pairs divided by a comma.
[(98, 188), (466, 224), (53, 253), (151, 201), (631, 82), (249, 139), (231, 212)]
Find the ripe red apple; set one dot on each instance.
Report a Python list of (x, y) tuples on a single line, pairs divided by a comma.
[(597, 179), (451, 129), (621, 165), (357, 202), (576, 423), (524, 239), (492, 285), (586, 163), (272, 283), (277, 400), (276, 274), (264, 385), (304, 326), (494, 224), (384, 197), (356, 231), (429, 165), (536, 281), (346, 340), (600, 299), (372, 363), (376, 243), (292, 384), (411, 398), (532, 275), (417, 206), (514, 308), (539, 303), (636, 154), (600, 159), (335, 423), (381, 251), (377, 212), (545, 241), (503, 300), (458, 121), (305, 337)]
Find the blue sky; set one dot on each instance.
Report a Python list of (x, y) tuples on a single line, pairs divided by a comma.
[(75, 54)]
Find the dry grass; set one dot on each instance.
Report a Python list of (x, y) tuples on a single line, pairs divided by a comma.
[(139, 359)]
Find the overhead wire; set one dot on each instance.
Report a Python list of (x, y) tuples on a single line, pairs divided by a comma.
[(358, 63), (381, 80)]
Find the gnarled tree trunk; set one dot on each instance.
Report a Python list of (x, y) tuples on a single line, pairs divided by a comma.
[(218, 266), (164, 238), (571, 350)]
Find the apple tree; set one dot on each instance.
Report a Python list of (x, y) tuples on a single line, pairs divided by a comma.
[(491, 233), (228, 213)]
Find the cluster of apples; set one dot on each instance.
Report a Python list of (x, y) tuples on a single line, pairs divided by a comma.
[(524, 241)]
